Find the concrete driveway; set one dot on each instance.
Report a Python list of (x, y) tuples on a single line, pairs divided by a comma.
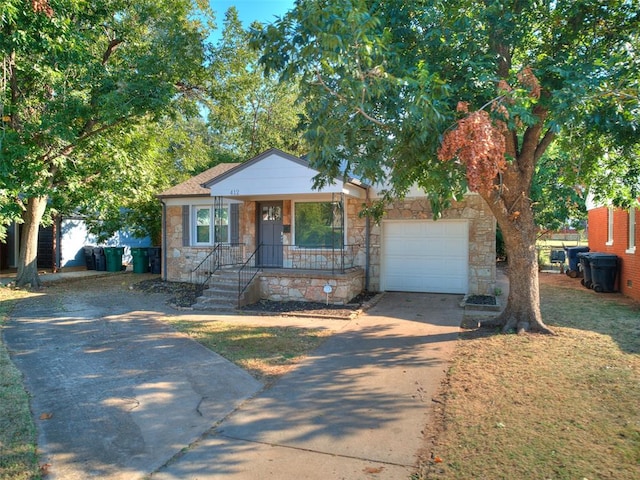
[(124, 392), (130, 397), (355, 409)]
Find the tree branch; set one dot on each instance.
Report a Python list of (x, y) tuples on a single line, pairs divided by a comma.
[(13, 80), (344, 99), (113, 44), (548, 137), (66, 150)]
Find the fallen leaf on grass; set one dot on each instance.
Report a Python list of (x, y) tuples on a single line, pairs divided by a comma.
[(437, 459), (46, 416)]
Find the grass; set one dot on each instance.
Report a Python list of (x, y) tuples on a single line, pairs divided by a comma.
[(18, 454), (545, 407), (265, 352)]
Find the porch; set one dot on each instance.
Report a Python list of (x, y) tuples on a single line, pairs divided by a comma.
[(283, 272)]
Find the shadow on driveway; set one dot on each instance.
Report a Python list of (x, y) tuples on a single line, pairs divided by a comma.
[(354, 409), (124, 392)]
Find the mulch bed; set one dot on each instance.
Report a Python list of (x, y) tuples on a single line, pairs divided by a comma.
[(310, 308), (184, 295), (481, 300)]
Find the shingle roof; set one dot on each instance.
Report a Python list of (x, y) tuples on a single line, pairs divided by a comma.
[(193, 186)]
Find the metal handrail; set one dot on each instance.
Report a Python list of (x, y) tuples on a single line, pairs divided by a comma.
[(298, 257), (247, 272), (222, 255), (310, 257)]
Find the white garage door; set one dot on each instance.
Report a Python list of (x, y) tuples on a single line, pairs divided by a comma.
[(425, 256)]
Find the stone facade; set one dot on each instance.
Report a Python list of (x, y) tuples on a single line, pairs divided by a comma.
[(482, 238), (279, 285), (179, 260), (295, 285)]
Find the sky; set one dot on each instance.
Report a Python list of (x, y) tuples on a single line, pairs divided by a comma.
[(265, 11)]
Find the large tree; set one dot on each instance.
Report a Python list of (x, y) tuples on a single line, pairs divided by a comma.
[(147, 159), (457, 94), (249, 112), (77, 76)]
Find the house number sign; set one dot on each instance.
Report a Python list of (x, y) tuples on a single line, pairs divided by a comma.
[(234, 191)]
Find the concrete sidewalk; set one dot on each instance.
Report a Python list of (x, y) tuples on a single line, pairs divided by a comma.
[(354, 410), (63, 276)]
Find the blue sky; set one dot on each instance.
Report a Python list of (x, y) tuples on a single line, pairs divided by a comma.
[(265, 11)]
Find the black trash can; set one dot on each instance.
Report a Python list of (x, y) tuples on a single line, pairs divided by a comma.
[(585, 265), (89, 259), (100, 259), (604, 271), (155, 259), (574, 270)]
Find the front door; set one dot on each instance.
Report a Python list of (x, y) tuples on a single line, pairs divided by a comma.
[(270, 231)]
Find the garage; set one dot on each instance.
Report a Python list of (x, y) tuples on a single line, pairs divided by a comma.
[(425, 256)]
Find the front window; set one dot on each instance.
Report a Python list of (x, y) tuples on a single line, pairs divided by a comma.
[(211, 225), (221, 225), (319, 225), (203, 224)]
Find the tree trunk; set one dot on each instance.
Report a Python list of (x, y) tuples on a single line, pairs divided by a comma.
[(510, 202), (522, 312), (28, 260)]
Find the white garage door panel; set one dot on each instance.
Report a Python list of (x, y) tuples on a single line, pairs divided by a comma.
[(425, 256)]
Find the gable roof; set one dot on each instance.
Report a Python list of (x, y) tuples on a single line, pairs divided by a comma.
[(193, 187), (241, 166), (275, 173)]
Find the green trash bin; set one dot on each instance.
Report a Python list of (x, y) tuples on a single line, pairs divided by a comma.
[(140, 259), (114, 258)]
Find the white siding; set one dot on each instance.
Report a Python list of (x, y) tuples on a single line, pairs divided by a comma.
[(272, 175)]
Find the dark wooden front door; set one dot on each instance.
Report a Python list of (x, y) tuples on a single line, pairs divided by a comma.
[(270, 231)]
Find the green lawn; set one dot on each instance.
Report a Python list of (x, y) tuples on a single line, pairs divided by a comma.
[(18, 458)]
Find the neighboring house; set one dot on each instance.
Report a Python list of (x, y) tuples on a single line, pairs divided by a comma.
[(266, 212), (61, 245), (616, 231)]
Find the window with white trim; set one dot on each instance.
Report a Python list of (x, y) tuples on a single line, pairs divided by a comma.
[(610, 226), (632, 231), (221, 230), (210, 225), (318, 225)]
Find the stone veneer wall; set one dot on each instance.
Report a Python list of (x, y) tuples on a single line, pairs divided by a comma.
[(179, 259), (283, 285), (482, 239), (482, 271)]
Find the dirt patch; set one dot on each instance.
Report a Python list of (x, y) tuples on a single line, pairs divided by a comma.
[(562, 280)]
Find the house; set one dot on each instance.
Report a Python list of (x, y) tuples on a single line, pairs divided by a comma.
[(61, 245), (615, 230), (313, 245)]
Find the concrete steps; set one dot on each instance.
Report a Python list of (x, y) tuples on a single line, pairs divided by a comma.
[(222, 294)]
